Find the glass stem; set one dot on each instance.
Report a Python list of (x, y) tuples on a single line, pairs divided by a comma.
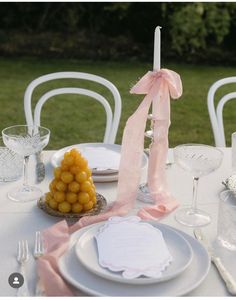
[(195, 188), (25, 171)]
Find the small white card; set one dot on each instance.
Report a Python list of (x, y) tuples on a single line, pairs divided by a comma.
[(133, 247)]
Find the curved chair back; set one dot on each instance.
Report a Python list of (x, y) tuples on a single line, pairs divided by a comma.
[(112, 119), (216, 114)]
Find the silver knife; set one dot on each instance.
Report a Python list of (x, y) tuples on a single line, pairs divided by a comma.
[(226, 276), (40, 167)]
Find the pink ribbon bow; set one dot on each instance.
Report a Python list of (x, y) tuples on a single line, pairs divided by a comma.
[(158, 86)]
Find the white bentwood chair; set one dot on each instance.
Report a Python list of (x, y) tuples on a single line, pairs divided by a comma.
[(216, 114), (112, 118)]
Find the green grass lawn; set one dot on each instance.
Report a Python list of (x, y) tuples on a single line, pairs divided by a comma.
[(75, 119)]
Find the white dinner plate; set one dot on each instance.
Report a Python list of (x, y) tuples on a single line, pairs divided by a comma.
[(87, 253), (110, 150), (80, 277)]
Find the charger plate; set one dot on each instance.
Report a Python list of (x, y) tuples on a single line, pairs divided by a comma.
[(97, 209), (80, 277)]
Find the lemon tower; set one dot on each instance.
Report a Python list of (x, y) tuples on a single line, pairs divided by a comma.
[(72, 188)]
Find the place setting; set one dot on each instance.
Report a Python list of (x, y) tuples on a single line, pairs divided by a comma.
[(176, 254), (104, 159)]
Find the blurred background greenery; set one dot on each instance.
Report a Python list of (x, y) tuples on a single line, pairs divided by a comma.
[(115, 40), (192, 32)]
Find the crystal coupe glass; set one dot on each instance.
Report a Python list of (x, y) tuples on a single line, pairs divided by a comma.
[(199, 160), (25, 140)]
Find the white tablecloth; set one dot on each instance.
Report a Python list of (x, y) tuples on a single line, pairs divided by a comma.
[(20, 221)]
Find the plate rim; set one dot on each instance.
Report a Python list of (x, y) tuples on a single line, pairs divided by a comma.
[(105, 178), (91, 291), (135, 281)]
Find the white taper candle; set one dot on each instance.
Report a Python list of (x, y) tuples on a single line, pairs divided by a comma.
[(156, 61), (157, 49)]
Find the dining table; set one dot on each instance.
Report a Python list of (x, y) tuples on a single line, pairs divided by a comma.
[(20, 221)]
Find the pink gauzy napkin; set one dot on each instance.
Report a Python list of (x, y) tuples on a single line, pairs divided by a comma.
[(56, 240), (158, 87)]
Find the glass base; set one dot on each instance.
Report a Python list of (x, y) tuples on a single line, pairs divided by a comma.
[(25, 194), (192, 218)]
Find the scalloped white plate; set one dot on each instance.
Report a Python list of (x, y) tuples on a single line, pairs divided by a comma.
[(87, 253), (80, 277)]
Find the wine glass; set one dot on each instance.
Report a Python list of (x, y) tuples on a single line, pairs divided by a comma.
[(25, 140), (199, 160)]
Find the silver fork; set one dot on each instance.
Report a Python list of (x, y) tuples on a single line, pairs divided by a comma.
[(22, 257), (38, 251)]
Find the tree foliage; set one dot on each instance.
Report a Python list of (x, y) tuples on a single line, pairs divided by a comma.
[(197, 26), (117, 30)]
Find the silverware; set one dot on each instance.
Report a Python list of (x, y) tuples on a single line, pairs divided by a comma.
[(38, 245), (38, 251), (40, 167), (22, 257), (226, 276)]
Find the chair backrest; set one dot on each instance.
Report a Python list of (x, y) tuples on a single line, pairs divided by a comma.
[(216, 115), (112, 121)]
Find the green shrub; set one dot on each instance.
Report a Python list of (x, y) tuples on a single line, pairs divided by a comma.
[(191, 32)]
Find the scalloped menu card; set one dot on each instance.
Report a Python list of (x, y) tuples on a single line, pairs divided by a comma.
[(132, 247)]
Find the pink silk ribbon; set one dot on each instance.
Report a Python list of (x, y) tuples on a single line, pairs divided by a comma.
[(158, 87)]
